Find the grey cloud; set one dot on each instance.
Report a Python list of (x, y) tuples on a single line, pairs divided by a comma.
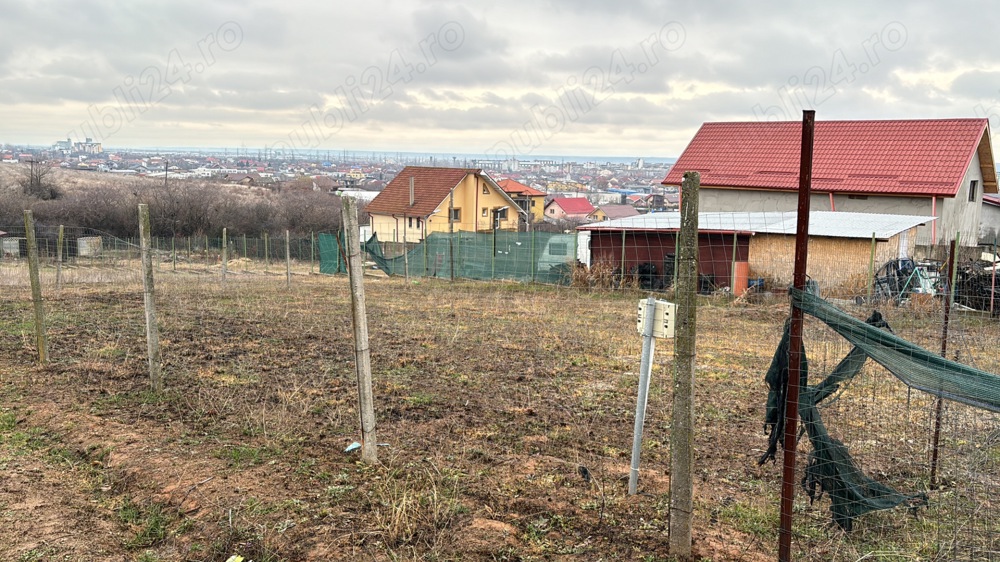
[(977, 84)]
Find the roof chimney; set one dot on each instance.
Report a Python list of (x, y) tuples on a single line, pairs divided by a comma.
[(411, 191)]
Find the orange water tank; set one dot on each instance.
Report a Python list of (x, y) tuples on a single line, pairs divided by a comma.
[(741, 277)]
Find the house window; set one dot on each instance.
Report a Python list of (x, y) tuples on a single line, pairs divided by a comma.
[(486, 212), (973, 189), (486, 190), (533, 202), (410, 222), (456, 215), (420, 222), (857, 197), (501, 214)]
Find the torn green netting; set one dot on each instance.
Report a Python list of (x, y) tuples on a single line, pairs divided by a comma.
[(912, 364), (333, 255), (830, 468)]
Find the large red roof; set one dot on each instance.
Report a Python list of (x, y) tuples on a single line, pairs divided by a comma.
[(904, 157), (430, 187)]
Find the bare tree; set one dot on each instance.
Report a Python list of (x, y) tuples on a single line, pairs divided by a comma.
[(37, 181)]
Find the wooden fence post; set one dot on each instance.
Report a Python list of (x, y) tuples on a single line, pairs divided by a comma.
[(41, 341), (152, 331), (288, 260), (682, 423), (362, 352), (225, 254), (59, 258)]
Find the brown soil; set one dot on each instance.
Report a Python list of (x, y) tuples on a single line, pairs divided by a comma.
[(489, 400)]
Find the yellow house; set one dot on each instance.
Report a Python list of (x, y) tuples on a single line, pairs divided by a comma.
[(421, 200), (527, 197)]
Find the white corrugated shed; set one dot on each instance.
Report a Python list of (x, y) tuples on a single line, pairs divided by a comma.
[(821, 223)]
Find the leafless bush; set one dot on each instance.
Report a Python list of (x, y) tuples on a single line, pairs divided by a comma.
[(177, 208), (12, 205), (310, 212)]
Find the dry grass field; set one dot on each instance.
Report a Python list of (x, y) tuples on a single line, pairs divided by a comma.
[(488, 397)]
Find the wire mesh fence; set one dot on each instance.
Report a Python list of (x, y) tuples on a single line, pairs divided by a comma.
[(88, 255), (942, 457)]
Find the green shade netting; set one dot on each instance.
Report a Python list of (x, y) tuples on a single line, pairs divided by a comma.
[(912, 364), (332, 259), (830, 468), (333, 253), (542, 257)]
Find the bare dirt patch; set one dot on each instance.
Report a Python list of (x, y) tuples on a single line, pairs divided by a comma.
[(489, 400)]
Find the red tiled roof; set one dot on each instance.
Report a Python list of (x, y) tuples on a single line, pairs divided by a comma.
[(430, 187), (573, 205), (904, 157), (517, 188)]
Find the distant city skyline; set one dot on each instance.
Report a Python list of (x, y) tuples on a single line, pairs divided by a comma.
[(583, 79), (339, 155)]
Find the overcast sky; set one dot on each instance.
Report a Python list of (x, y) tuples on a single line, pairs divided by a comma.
[(531, 77)]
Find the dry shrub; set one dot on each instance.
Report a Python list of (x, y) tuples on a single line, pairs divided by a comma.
[(601, 274), (855, 285)]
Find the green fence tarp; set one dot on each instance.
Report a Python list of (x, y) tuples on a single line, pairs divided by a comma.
[(830, 468), (331, 257), (542, 257), (912, 364)]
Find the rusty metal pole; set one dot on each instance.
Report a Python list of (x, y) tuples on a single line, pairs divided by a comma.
[(948, 297), (795, 340)]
